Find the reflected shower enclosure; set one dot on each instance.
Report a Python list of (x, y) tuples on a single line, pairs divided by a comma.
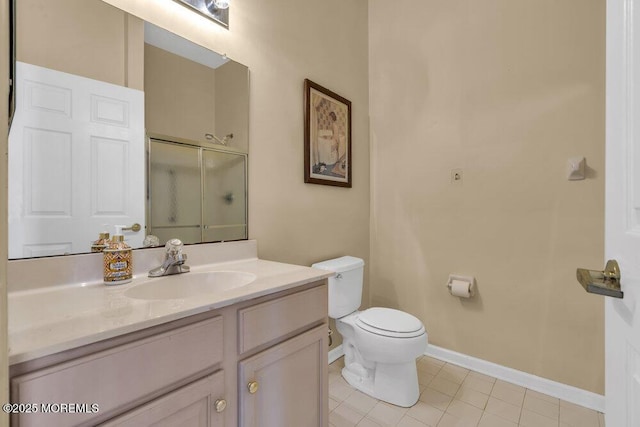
[(197, 194)]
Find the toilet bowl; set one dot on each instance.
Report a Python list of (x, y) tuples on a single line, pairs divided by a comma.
[(380, 344)]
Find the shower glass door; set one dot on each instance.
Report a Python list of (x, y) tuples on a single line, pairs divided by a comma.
[(196, 194), (175, 188), (224, 197)]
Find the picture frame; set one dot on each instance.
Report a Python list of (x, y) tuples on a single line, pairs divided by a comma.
[(327, 137)]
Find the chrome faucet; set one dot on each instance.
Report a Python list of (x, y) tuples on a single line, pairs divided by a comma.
[(173, 260)]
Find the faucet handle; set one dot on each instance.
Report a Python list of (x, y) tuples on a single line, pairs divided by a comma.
[(173, 246), (173, 260)]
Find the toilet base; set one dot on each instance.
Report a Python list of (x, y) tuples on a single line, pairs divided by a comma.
[(393, 383)]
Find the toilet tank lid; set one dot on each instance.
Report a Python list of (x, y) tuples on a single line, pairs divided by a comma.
[(339, 265)]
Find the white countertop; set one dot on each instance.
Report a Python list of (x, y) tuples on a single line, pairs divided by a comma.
[(49, 320)]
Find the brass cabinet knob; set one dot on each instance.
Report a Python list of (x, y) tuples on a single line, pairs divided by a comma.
[(220, 405), (253, 387)]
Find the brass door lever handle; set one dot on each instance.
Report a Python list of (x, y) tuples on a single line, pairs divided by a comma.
[(605, 282), (135, 228)]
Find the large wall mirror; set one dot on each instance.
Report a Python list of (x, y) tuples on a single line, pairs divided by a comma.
[(119, 122)]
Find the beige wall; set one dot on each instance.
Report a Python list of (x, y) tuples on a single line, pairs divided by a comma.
[(179, 95), (232, 104), (186, 100), (507, 91), (109, 51), (282, 43)]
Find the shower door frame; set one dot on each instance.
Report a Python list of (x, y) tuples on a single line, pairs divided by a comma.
[(191, 144)]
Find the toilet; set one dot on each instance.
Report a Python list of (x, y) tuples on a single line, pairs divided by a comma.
[(380, 344)]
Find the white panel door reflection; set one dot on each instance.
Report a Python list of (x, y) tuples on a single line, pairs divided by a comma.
[(76, 156)]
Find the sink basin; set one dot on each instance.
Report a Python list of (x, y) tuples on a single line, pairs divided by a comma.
[(187, 285)]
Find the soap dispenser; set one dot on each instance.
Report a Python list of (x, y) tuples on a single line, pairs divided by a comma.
[(118, 266), (102, 243)]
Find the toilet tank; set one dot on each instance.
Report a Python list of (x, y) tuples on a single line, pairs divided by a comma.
[(345, 288)]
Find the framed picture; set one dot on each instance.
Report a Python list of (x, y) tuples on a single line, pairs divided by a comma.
[(327, 137)]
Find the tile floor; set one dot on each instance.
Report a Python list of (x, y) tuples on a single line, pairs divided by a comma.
[(454, 396)]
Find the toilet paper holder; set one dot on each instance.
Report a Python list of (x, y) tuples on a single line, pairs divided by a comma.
[(467, 279)]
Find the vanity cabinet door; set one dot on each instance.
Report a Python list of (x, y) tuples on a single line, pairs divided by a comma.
[(286, 385), (199, 404)]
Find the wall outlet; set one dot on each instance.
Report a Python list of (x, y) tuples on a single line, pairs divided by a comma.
[(456, 176)]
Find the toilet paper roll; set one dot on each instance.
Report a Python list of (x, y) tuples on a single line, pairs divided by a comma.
[(460, 288)]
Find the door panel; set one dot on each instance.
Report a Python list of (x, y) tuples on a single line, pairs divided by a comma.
[(76, 150), (622, 213)]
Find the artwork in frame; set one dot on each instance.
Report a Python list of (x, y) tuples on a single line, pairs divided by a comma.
[(327, 136)]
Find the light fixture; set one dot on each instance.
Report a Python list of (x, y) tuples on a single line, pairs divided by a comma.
[(216, 10), (219, 4)]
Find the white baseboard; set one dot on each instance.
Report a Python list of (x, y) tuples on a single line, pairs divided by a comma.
[(335, 354), (552, 388)]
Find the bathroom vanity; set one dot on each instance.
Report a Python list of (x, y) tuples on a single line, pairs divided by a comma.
[(251, 355)]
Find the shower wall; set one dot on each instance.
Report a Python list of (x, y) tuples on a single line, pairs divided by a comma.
[(506, 91)]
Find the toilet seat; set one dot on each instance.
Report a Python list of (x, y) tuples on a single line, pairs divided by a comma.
[(390, 323)]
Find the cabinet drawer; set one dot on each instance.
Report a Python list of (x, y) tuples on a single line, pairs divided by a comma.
[(120, 376), (270, 320), (192, 405)]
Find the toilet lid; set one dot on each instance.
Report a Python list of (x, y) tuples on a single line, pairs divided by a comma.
[(390, 322)]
